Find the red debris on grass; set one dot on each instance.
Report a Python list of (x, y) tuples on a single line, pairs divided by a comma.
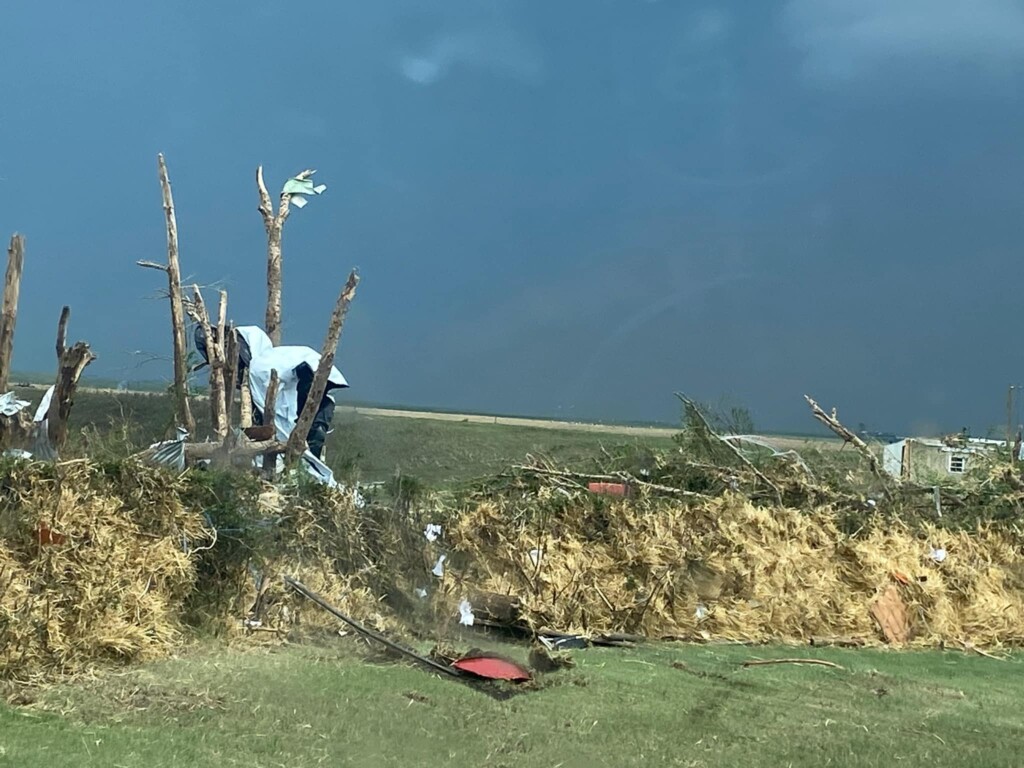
[(492, 668)]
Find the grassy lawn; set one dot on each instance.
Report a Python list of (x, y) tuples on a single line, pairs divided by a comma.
[(666, 705)]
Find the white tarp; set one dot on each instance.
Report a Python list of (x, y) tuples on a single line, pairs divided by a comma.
[(265, 357), (10, 404), (44, 405)]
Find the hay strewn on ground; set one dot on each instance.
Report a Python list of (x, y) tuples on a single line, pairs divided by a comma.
[(119, 562), (729, 570), (93, 564)]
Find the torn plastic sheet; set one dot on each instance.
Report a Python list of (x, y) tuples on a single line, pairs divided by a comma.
[(938, 555), (439, 566), (299, 189), (421, 593), (44, 405), (11, 404), (432, 532)]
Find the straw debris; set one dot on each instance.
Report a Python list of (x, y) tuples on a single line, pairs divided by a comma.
[(728, 569)]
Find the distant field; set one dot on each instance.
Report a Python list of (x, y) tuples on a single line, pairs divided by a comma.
[(373, 443), (437, 448)]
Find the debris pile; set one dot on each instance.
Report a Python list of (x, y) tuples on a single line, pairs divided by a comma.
[(727, 569), (95, 565)]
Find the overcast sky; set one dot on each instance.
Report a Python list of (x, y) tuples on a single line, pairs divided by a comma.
[(565, 208)]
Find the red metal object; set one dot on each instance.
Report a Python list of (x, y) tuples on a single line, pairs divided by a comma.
[(609, 489), (492, 668)]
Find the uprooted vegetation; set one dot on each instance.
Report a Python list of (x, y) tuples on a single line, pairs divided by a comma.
[(117, 561)]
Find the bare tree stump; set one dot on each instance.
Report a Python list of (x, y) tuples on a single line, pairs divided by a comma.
[(297, 439), (9, 317), (73, 362)]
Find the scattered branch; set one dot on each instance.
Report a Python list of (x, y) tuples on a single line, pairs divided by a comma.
[(151, 265), (297, 439), (832, 422), (766, 662), (968, 646), (619, 477), (245, 450), (692, 408)]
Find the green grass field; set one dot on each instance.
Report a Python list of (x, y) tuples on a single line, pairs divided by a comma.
[(671, 705)]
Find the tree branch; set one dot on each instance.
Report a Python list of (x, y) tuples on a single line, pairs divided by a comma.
[(297, 439), (832, 422), (151, 265), (266, 207), (62, 334), (692, 408)]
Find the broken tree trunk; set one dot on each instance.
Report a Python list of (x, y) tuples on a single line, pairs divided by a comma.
[(73, 362), (173, 271), (832, 422), (244, 450), (274, 225), (9, 318), (230, 375), (215, 354), (245, 402), (269, 408), (297, 439), (62, 334)]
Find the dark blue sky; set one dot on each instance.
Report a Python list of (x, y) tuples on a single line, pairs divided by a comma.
[(569, 208)]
